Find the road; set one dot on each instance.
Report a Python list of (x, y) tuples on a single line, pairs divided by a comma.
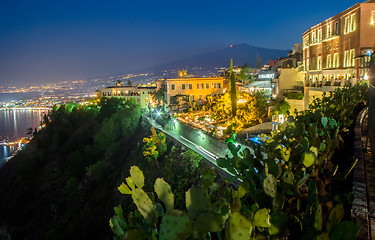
[(208, 155)]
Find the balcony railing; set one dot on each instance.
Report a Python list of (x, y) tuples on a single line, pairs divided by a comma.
[(329, 83)]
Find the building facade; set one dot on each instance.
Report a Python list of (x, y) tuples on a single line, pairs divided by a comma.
[(194, 89), (337, 51), (141, 94), (289, 76)]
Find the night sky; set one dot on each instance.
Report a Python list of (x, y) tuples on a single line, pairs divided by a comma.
[(52, 41)]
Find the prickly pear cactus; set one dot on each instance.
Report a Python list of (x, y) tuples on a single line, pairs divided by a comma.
[(124, 189), (270, 185), (344, 230), (262, 218), (221, 207), (318, 223), (144, 205), (335, 216), (288, 177), (137, 176), (164, 192), (130, 182), (196, 201), (209, 222), (115, 226), (175, 225), (308, 158), (238, 227)]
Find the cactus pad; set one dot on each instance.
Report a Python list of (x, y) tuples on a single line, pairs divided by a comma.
[(196, 201), (288, 177), (164, 192), (344, 230), (318, 223), (323, 236), (308, 158), (238, 227), (221, 207), (262, 218), (115, 225), (124, 189), (144, 205), (137, 176), (130, 182), (209, 222), (243, 189), (335, 216), (270, 185), (175, 225)]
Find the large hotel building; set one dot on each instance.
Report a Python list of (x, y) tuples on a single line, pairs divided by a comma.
[(337, 51)]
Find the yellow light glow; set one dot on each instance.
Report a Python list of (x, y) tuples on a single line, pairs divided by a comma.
[(366, 77)]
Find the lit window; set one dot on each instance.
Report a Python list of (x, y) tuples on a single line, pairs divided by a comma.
[(329, 30), (346, 58), (352, 56), (328, 64), (319, 35), (352, 22), (373, 18), (313, 36), (319, 63), (336, 60), (347, 25), (307, 64)]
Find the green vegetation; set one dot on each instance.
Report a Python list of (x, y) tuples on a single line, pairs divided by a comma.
[(251, 109), (154, 146), (294, 95), (280, 106), (233, 93), (54, 187), (287, 190)]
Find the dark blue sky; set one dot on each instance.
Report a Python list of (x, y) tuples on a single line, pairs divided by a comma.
[(51, 41)]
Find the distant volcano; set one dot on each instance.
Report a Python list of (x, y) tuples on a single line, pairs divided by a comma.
[(241, 53)]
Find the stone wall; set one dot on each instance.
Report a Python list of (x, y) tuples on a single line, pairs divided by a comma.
[(371, 113), (296, 104)]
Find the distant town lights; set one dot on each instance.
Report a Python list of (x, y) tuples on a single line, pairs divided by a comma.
[(269, 75)]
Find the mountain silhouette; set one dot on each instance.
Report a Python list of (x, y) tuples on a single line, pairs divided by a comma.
[(240, 53)]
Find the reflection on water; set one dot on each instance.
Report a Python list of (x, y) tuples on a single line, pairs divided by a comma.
[(14, 124), (5, 152)]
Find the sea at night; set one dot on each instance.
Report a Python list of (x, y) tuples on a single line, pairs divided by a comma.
[(13, 126)]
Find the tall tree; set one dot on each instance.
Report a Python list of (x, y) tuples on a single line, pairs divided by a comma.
[(229, 73), (259, 61), (159, 95), (233, 93)]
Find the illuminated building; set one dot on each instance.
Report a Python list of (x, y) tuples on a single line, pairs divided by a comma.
[(141, 94), (192, 88), (289, 77), (337, 51)]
